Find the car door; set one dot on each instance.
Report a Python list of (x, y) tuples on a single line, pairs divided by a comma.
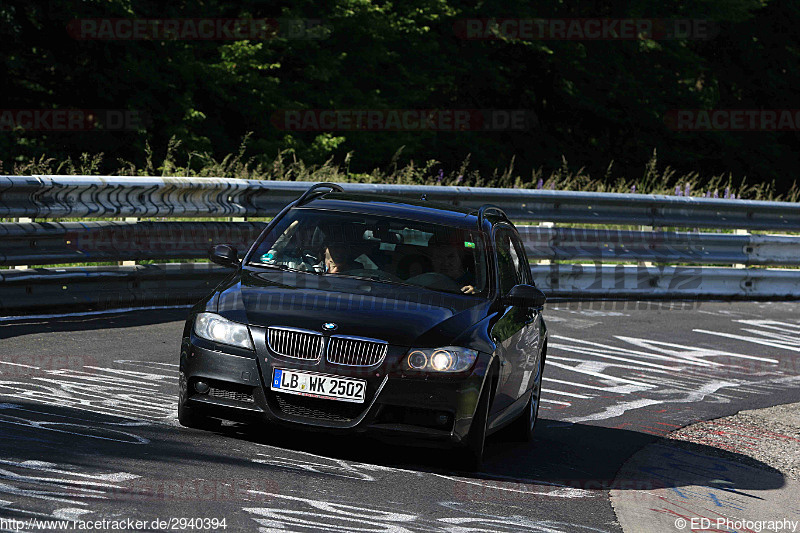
[(516, 332), (529, 347)]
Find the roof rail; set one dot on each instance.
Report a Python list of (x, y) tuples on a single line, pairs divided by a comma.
[(482, 210), (314, 190)]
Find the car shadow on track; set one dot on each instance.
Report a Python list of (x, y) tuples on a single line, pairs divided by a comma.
[(561, 456), (578, 456)]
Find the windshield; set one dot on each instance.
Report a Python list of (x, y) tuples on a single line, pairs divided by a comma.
[(391, 250)]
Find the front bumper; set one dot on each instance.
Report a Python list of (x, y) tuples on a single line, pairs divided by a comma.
[(398, 406)]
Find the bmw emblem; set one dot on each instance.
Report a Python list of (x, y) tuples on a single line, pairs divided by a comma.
[(329, 326)]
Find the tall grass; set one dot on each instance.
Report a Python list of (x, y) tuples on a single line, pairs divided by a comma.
[(286, 166)]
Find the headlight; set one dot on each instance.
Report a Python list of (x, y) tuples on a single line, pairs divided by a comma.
[(215, 328), (447, 359)]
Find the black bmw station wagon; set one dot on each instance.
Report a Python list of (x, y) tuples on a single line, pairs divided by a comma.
[(352, 312)]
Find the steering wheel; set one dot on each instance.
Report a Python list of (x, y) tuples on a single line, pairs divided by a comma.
[(371, 273), (435, 279)]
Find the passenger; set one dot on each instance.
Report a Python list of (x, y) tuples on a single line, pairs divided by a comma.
[(339, 259)]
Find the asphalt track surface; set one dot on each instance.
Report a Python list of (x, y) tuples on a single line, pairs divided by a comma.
[(88, 427)]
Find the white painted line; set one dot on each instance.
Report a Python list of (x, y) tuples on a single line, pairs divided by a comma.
[(618, 389), (571, 394), (117, 477), (562, 491), (19, 364), (682, 349), (369, 466), (627, 351), (53, 496), (789, 338), (603, 376), (773, 324), (750, 339), (598, 353), (619, 409), (545, 400)]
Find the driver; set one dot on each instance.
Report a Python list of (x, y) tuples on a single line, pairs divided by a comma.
[(448, 261)]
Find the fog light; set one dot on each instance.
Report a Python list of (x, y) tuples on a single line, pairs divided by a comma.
[(201, 387)]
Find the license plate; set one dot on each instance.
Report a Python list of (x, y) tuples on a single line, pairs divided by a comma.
[(319, 385)]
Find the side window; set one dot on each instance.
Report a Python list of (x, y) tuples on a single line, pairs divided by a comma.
[(523, 268), (507, 260)]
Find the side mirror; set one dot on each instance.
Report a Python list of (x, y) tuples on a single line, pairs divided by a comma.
[(525, 296), (224, 255)]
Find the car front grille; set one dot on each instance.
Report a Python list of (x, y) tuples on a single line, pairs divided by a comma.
[(310, 345), (356, 351), (331, 410), (231, 395), (296, 343)]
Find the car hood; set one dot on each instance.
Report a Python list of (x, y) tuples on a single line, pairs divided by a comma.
[(398, 314)]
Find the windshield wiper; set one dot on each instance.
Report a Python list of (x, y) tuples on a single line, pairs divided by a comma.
[(367, 278), (279, 266), (377, 279), (411, 285)]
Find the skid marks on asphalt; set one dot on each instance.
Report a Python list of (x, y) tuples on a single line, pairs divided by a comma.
[(603, 379), (469, 496), (63, 412), (471, 488), (22, 422), (134, 389), (305, 462), (295, 513), (55, 491)]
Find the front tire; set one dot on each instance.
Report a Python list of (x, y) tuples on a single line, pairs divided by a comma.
[(470, 456), (523, 427)]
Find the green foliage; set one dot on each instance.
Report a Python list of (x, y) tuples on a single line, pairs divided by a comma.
[(593, 101), (287, 167)]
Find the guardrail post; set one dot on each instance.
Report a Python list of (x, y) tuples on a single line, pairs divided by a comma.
[(646, 264), (22, 220), (545, 225), (129, 263), (740, 232)]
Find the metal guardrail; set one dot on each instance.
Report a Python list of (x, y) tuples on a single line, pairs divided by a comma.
[(87, 242), (46, 197), (66, 242), (176, 284), (121, 196), (676, 282), (586, 244), (24, 291)]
